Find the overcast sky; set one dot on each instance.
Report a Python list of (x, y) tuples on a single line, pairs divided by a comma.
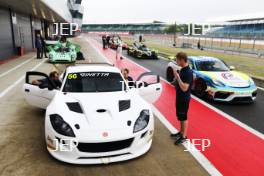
[(132, 11)]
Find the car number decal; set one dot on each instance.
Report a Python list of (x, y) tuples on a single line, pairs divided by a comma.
[(72, 76)]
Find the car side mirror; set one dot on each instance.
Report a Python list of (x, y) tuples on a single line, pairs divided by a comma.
[(232, 68)]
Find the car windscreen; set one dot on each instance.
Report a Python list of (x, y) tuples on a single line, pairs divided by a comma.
[(93, 82), (210, 65)]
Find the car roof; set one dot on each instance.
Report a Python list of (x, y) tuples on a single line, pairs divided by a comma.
[(93, 67), (203, 58)]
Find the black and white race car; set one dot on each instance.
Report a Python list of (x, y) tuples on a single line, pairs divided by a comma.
[(141, 51)]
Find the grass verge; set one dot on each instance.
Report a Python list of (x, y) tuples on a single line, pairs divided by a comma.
[(250, 65)]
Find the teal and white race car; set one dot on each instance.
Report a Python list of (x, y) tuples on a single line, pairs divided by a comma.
[(63, 52), (215, 80)]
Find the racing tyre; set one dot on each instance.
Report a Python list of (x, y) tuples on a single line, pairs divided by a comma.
[(200, 88), (169, 74), (155, 57)]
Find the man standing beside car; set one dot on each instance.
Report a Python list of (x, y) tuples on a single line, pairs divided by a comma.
[(39, 46), (183, 95)]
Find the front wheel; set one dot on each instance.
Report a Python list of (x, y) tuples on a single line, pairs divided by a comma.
[(200, 88)]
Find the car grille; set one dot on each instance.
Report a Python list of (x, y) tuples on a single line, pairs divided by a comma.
[(61, 60), (105, 146), (108, 156), (242, 100)]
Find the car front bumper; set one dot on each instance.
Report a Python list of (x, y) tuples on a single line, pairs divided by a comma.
[(233, 95), (62, 58), (141, 143)]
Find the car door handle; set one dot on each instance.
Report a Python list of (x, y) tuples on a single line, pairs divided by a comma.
[(27, 90), (157, 89)]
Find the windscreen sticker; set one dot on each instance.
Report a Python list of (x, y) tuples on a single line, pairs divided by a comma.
[(94, 74), (72, 76)]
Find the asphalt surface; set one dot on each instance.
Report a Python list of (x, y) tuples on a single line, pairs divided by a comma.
[(23, 149), (250, 114)]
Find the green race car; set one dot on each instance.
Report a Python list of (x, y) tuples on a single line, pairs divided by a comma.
[(63, 52)]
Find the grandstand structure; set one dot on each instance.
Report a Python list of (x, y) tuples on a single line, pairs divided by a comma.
[(250, 27), (153, 28)]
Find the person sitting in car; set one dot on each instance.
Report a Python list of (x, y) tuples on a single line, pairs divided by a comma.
[(53, 76), (128, 79)]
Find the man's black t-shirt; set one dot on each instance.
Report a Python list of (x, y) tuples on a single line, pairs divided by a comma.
[(186, 76)]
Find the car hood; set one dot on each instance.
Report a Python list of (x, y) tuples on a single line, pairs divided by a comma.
[(229, 78), (101, 111)]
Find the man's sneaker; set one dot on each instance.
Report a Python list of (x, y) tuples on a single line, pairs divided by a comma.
[(177, 135), (180, 140)]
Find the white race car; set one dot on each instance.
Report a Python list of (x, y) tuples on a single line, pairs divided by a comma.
[(95, 117)]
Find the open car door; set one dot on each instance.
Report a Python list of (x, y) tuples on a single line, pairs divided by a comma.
[(149, 86), (38, 95)]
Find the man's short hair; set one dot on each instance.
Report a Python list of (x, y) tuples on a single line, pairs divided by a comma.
[(182, 56), (126, 70), (52, 74)]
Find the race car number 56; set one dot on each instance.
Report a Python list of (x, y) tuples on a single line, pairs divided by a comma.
[(72, 76)]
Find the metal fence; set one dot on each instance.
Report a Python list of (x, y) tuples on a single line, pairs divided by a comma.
[(230, 45)]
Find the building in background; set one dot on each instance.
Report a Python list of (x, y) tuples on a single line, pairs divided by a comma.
[(21, 20)]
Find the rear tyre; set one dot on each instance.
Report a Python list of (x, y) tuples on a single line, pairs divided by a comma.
[(200, 88), (169, 74)]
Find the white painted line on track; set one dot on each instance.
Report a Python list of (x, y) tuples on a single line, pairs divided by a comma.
[(16, 67), (205, 163), (232, 119), (260, 88), (4, 92), (227, 116)]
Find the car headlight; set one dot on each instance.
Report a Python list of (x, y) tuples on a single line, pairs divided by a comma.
[(250, 81), (142, 121), (218, 83), (60, 126)]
